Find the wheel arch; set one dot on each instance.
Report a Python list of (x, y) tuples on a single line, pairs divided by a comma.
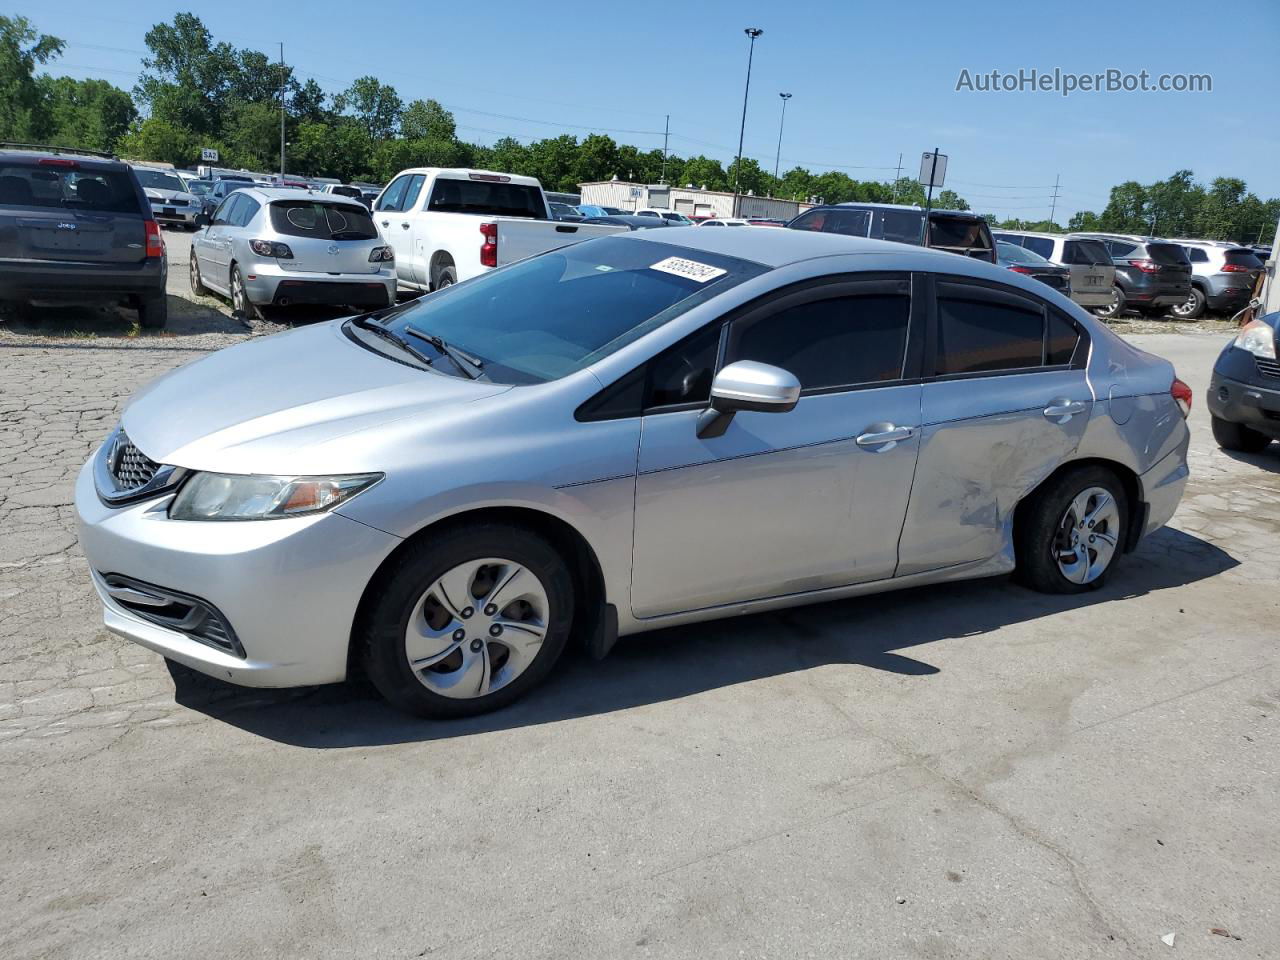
[(439, 260), (591, 613), (1135, 511)]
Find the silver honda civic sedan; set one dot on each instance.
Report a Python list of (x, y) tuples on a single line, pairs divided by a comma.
[(633, 432)]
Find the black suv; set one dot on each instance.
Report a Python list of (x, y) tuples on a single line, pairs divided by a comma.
[(76, 226), (957, 231), (1152, 275)]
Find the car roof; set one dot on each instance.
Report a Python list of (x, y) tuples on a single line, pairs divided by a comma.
[(464, 173), (777, 248), (270, 194), (1035, 233), (867, 205), (93, 159)]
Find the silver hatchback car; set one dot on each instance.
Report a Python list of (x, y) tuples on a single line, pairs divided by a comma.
[(279, 247), (636, 431)]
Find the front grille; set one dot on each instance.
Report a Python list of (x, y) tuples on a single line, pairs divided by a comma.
[(198, 619), (1268, 368), (130, 467)]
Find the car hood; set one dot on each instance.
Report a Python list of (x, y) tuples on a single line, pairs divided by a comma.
[(306, 401), (168, 196)]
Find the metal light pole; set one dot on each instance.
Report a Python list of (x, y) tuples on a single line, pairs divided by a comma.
[(777, 160), (753, 33), (281, 111)]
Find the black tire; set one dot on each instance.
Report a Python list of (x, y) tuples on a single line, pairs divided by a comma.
[(1117, 306), (241, 305), (153, 311), (193, 276), (1193, 308), (394, 595), (1038, 529), (447, 277), (1238, 437)]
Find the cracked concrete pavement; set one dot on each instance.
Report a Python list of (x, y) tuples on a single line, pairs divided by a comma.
[(966, 771)]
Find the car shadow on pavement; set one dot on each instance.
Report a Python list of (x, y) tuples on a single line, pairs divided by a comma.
[(1268, 459), (871, 631), (89, 322)]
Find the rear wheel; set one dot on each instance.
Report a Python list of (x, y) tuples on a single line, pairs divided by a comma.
[(1114, 308), (193, 276), (241, 306), (447, 277), (1071, 534), (467, 621), (153, 311), (1192, 308), (1236, 436)]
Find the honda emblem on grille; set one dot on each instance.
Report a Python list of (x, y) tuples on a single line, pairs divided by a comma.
[(333, 249)]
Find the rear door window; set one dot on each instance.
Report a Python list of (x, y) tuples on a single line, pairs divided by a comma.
[(851, 223), (1121, 248), (245, 210), (1060, 346), (1196, 255), (1041, 245), (322, 221), (1170, 254), (980, 332), (500, 199), (59, 187), (1087, 253)]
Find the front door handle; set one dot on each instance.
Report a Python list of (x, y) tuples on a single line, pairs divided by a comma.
[(1062, 409), (405, 224), (884, 436), (386, 223)]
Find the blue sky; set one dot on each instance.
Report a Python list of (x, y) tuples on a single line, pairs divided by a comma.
[(864, 87)]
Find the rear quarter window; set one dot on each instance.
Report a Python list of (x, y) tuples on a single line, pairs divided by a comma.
[(1085, 253), (1040, 245), (32, 186), (1169, 253)]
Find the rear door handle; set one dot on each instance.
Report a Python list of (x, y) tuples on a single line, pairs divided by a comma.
[(405, 224), (386, 223), (884, 436), (1061, 409)]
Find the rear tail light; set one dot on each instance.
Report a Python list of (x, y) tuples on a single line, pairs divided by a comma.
[(155, 242), (1181, 394), (1146, 266), (1026, 270), (382, 255), (1233, 268), (489, 249), (270, 248)]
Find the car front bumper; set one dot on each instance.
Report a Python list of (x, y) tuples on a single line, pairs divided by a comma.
[(166, 214), (1251, 404), (268, 283), (288, 588)]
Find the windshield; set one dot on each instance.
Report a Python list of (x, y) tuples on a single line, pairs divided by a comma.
[(159, 180), (548, 316), (200, 188), (1012, 253), (450, 195), (322, 221)]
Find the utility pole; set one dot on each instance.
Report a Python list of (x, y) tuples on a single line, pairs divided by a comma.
[(282, 110), (1057, 177), (777, 160), (666, 132), (753, 33), (896, 177)]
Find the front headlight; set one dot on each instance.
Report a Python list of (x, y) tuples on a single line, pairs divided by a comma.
[(223, 496), (1258, 338)]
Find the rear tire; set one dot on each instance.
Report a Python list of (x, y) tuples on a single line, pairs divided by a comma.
[(1238, 437), (410, 611), (1113, 309), (1071, 534), (153, 311), (447, 278), (241, 305)]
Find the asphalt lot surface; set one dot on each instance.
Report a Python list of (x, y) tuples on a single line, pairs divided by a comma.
[(970, 771)]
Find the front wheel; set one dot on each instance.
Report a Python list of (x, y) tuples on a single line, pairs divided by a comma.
[(1114, 308), (1192, 308), (1071, 534), (467, 621), (1238, 437)]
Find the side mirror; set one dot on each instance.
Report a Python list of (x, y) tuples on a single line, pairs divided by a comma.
[(202, 220), (747, 385)]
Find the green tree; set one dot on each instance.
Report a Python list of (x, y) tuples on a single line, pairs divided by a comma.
[(341, 149), (22, 49), (751, 179), (703, 172), (598, 160), (1126, 211), (252, 132), (427, 120), (1084, 220), (950, 200), (187, 78), (552, 162), (83, 113), (162, 141), (307, 104), (375, 105)]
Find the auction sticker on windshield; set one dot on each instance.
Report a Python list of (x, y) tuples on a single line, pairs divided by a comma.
[(690, 269)]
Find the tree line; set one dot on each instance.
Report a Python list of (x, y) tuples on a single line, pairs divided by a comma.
[(194, 92)]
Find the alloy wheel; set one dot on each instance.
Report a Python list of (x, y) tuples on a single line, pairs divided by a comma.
[(1186, 308), (238, 302), (477, 628), (1087, 535)]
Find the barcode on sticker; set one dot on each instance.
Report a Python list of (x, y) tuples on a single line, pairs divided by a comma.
[(690, 269)]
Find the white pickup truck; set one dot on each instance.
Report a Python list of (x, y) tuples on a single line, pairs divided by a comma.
[(449, 225)]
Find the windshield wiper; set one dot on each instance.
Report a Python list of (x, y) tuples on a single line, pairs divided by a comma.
[(470, 366), (365, 323)]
